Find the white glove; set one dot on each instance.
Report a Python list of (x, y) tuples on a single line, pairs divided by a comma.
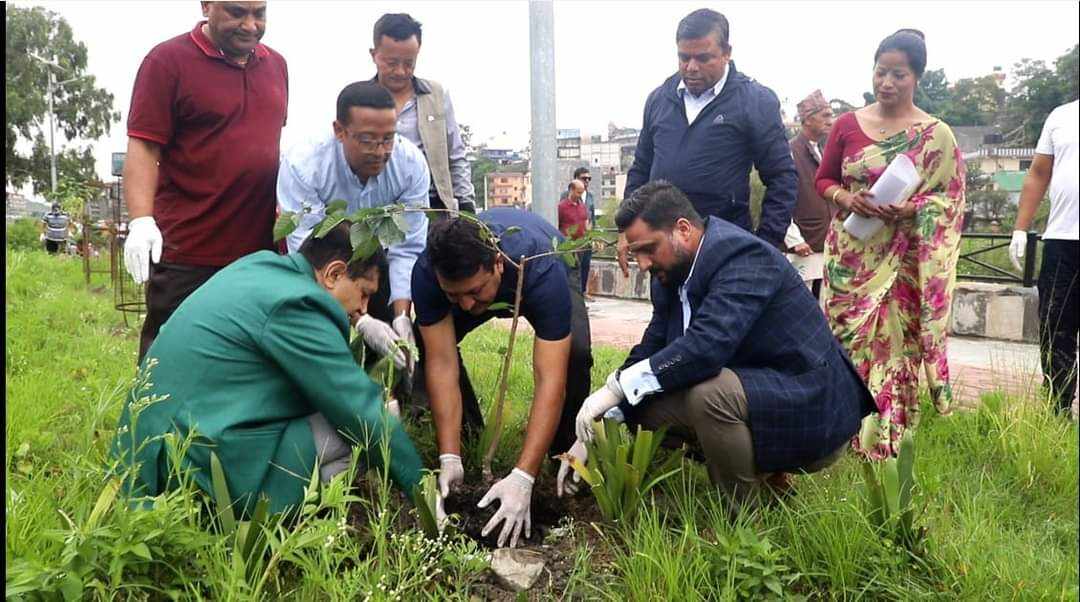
[(514, 493), (393, 408), (142, 246), (579, 451), (1017, 247), (451, 473), (382, 338), (440, 513), (595, 405), (402, 325)]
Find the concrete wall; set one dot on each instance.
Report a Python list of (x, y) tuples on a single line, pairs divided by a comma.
[(994, 311)]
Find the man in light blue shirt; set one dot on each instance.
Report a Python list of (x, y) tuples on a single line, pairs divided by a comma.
[(367, 164)]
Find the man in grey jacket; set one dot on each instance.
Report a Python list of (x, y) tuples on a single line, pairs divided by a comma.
[(425, 113)]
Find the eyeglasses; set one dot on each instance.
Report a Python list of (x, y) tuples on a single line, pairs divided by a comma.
[(372, 144), (585, 179)]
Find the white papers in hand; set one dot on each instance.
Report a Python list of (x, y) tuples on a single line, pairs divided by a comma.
[(896, 184)]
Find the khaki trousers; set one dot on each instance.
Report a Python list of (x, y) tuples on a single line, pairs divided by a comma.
[(712, 417)]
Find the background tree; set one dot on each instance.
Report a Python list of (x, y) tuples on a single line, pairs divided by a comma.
[(933, 94), (973, 101), (83, 111), (1039, 90)]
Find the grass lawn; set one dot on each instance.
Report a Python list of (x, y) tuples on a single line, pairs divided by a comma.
[(997, 494)]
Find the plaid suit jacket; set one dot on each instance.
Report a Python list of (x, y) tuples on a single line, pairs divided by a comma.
[(752, 313)]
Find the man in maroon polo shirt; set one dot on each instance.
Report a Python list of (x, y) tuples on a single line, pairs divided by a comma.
[(574, 223), (202, 159)]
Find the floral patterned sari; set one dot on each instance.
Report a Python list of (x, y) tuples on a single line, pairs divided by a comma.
[(888, 297)]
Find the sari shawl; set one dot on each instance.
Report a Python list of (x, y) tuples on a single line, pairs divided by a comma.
[(888, 298)]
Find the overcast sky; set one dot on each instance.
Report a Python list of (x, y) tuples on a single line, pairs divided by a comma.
[(608, 54)]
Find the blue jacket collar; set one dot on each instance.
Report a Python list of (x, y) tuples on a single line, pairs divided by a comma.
[(671, 84)]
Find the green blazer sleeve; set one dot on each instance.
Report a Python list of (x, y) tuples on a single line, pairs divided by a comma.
[(307, 340)]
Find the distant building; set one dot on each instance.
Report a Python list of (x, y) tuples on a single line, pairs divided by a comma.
[(509, 188), (984, 147), (568, 144), (16, 206)]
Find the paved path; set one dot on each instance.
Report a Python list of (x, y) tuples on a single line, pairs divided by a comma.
[(977, 365)]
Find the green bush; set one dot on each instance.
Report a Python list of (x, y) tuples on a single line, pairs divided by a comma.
[(23, 234)]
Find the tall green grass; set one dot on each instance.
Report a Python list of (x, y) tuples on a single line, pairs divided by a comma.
[(997, 492)]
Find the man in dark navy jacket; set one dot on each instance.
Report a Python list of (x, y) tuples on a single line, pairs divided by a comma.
[(737, 358), (706, 126)]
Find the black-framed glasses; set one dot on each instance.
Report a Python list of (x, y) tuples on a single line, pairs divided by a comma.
[(370, 143)]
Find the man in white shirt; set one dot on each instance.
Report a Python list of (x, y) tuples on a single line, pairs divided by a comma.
[(1055, 167), (365, 163)]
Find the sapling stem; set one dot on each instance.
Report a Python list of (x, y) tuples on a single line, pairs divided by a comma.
[(504, 376)]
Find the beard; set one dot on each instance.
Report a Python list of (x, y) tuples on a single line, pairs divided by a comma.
[(676, 274)]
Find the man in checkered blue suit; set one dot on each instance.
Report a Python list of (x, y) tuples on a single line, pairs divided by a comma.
[(737, 360)]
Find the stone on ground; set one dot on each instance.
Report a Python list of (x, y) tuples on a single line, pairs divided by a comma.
[(516, 569)]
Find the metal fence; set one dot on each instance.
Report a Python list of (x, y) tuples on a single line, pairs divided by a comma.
[(976, 257), (999, 274)]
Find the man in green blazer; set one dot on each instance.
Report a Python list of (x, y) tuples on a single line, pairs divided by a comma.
[(256, 363)]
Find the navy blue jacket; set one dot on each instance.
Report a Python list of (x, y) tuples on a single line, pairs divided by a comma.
[(710, 159), (752, 313)]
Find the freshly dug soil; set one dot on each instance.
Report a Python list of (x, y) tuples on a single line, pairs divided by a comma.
[(547, 510)]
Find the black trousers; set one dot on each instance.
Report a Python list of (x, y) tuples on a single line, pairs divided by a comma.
[(578, 376), (1059, 320), (584, 262), (170, 284)]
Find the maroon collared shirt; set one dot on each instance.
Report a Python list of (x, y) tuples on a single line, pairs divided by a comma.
[(573, 218), (219, 127)]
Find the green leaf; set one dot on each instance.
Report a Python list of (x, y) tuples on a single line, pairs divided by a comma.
[(906, 469), (359, 233), (365, 249), (388, 232), (400, 221), (71, 587), (328, 223), (104, 502), (890, 484), (336, 205), (500, 305), (221, 496), (511, 230), (285, 224), (142, 551)]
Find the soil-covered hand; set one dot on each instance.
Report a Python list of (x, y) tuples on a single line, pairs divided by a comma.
[(563, 482), (514, 493), (451, 473)]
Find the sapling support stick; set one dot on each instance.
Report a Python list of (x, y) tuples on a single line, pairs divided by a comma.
[(504, 376)]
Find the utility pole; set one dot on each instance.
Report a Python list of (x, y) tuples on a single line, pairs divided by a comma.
[(545, 188), (52, 85)]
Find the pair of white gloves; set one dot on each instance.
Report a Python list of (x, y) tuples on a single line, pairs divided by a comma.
[(514, 493)]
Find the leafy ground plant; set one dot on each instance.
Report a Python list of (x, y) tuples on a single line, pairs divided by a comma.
[(888, 488), (618, 468)]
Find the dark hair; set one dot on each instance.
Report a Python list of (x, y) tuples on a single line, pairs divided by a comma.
[(362, 94), (458, 248), (579, 171), (399, 26), (336, 245), (701, 23), (912, 43), (659, 204)]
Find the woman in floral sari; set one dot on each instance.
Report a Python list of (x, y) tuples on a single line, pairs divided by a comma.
[(888, 297)]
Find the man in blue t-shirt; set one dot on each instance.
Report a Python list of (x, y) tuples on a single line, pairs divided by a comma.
[(455, 283)]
